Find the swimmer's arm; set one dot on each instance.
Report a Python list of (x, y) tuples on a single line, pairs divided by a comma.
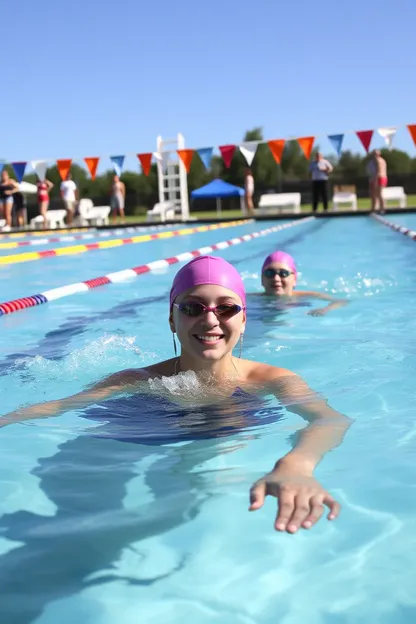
[(333, 305), (127, 380), (326, 427)]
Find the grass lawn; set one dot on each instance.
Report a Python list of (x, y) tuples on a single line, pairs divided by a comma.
[(363, 204)]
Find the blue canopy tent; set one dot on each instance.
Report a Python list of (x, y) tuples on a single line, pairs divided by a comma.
[(218, 189)]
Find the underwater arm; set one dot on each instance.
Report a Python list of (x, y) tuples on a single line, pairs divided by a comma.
[(333, 305), (119, 382), (300, 497)]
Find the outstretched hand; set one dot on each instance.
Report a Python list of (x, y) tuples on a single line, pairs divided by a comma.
[(318, 312), (301, 499)]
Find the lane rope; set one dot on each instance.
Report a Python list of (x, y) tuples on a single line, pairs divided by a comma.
[(91, 234), (73, 250), (126, 274), (397, 228)]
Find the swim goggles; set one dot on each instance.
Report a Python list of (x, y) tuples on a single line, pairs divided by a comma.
[(194, 309), (282, 273)]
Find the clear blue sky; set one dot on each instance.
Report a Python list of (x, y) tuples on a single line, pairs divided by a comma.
[(91, 78)]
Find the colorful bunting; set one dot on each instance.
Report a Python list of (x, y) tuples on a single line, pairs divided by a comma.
[(205, 154), (118, 162), (412, 130), (92, 164), (276, 148), (19, 169), (64, 167), (40, 167), (2, 163), (227, 153), (388, 135), (186, 156), (365, 137), (146, 162), (248, 150), (306, 145), (336, 140)]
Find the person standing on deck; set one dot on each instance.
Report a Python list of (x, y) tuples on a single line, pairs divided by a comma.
[(320, 170)]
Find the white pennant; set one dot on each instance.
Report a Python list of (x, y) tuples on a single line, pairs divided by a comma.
[(388, 135), (163, 159), (248, 150), (40, 167)]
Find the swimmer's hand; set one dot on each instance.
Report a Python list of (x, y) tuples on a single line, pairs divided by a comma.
[(300, 498), (319, 311)]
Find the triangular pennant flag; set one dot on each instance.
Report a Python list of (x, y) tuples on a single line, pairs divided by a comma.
[(2, 163), (205, 154), (163, 159), (306, 145), (388, 135), (276, 148), (92, 164), (118, 162), (248, 150), (186, 156), (19, 169), (412, 130), (146, 162), (227, 153), (336, 140), (39, 167), (64, 167), (365, 137)]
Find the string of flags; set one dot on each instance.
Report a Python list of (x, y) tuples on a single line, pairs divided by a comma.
[(247, 149)]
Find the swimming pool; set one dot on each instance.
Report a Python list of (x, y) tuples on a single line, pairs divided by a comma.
[(103, 531)]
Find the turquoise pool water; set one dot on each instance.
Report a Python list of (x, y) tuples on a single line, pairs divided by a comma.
[(102, 531)]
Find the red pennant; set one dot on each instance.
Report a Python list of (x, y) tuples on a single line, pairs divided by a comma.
[(64, 167), (227, 153), (365, 137), (306, 144), (412, 130), (186, 156), (92, 164), (146, 162), (276, 148)]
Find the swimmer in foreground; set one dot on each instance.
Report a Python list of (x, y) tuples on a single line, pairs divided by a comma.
[(278, 277), (208, 315)]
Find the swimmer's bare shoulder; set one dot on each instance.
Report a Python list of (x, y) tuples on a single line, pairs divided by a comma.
[(261, 373)]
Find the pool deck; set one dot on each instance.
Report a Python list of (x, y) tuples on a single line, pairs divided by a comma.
[(271, 217)]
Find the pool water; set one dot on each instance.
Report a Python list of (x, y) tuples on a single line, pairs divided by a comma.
[(100, 530)]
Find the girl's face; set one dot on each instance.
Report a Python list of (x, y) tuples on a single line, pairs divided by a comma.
[(278, 279), (208, 335)]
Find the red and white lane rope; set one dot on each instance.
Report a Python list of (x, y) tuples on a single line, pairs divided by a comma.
[(397, 228), (121, 276)]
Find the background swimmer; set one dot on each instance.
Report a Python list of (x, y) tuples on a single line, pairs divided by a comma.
[(207, 313), (278, 277)]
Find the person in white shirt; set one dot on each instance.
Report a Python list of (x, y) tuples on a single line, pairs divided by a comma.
[(320, 170), (69, 194), (249, 191)]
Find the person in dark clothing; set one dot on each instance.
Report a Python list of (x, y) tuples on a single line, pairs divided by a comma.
[(320, 170)]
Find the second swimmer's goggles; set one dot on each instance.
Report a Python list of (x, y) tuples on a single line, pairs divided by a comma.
[(282, 273), (194, 309)]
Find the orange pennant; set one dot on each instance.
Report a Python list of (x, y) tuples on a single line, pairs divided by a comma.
[(146, 162), (412, 130), (186, 156), (306, 144), (64, 167), (276, 148), (92, 164)]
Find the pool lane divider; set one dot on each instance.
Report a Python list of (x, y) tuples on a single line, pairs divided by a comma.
[(127, 274), (73, 250), (86, 236), (397, 228)]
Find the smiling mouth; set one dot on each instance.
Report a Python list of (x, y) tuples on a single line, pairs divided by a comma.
[(209, 338)]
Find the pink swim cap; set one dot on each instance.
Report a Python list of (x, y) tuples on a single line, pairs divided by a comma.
[(283, 258), (208, 270)]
